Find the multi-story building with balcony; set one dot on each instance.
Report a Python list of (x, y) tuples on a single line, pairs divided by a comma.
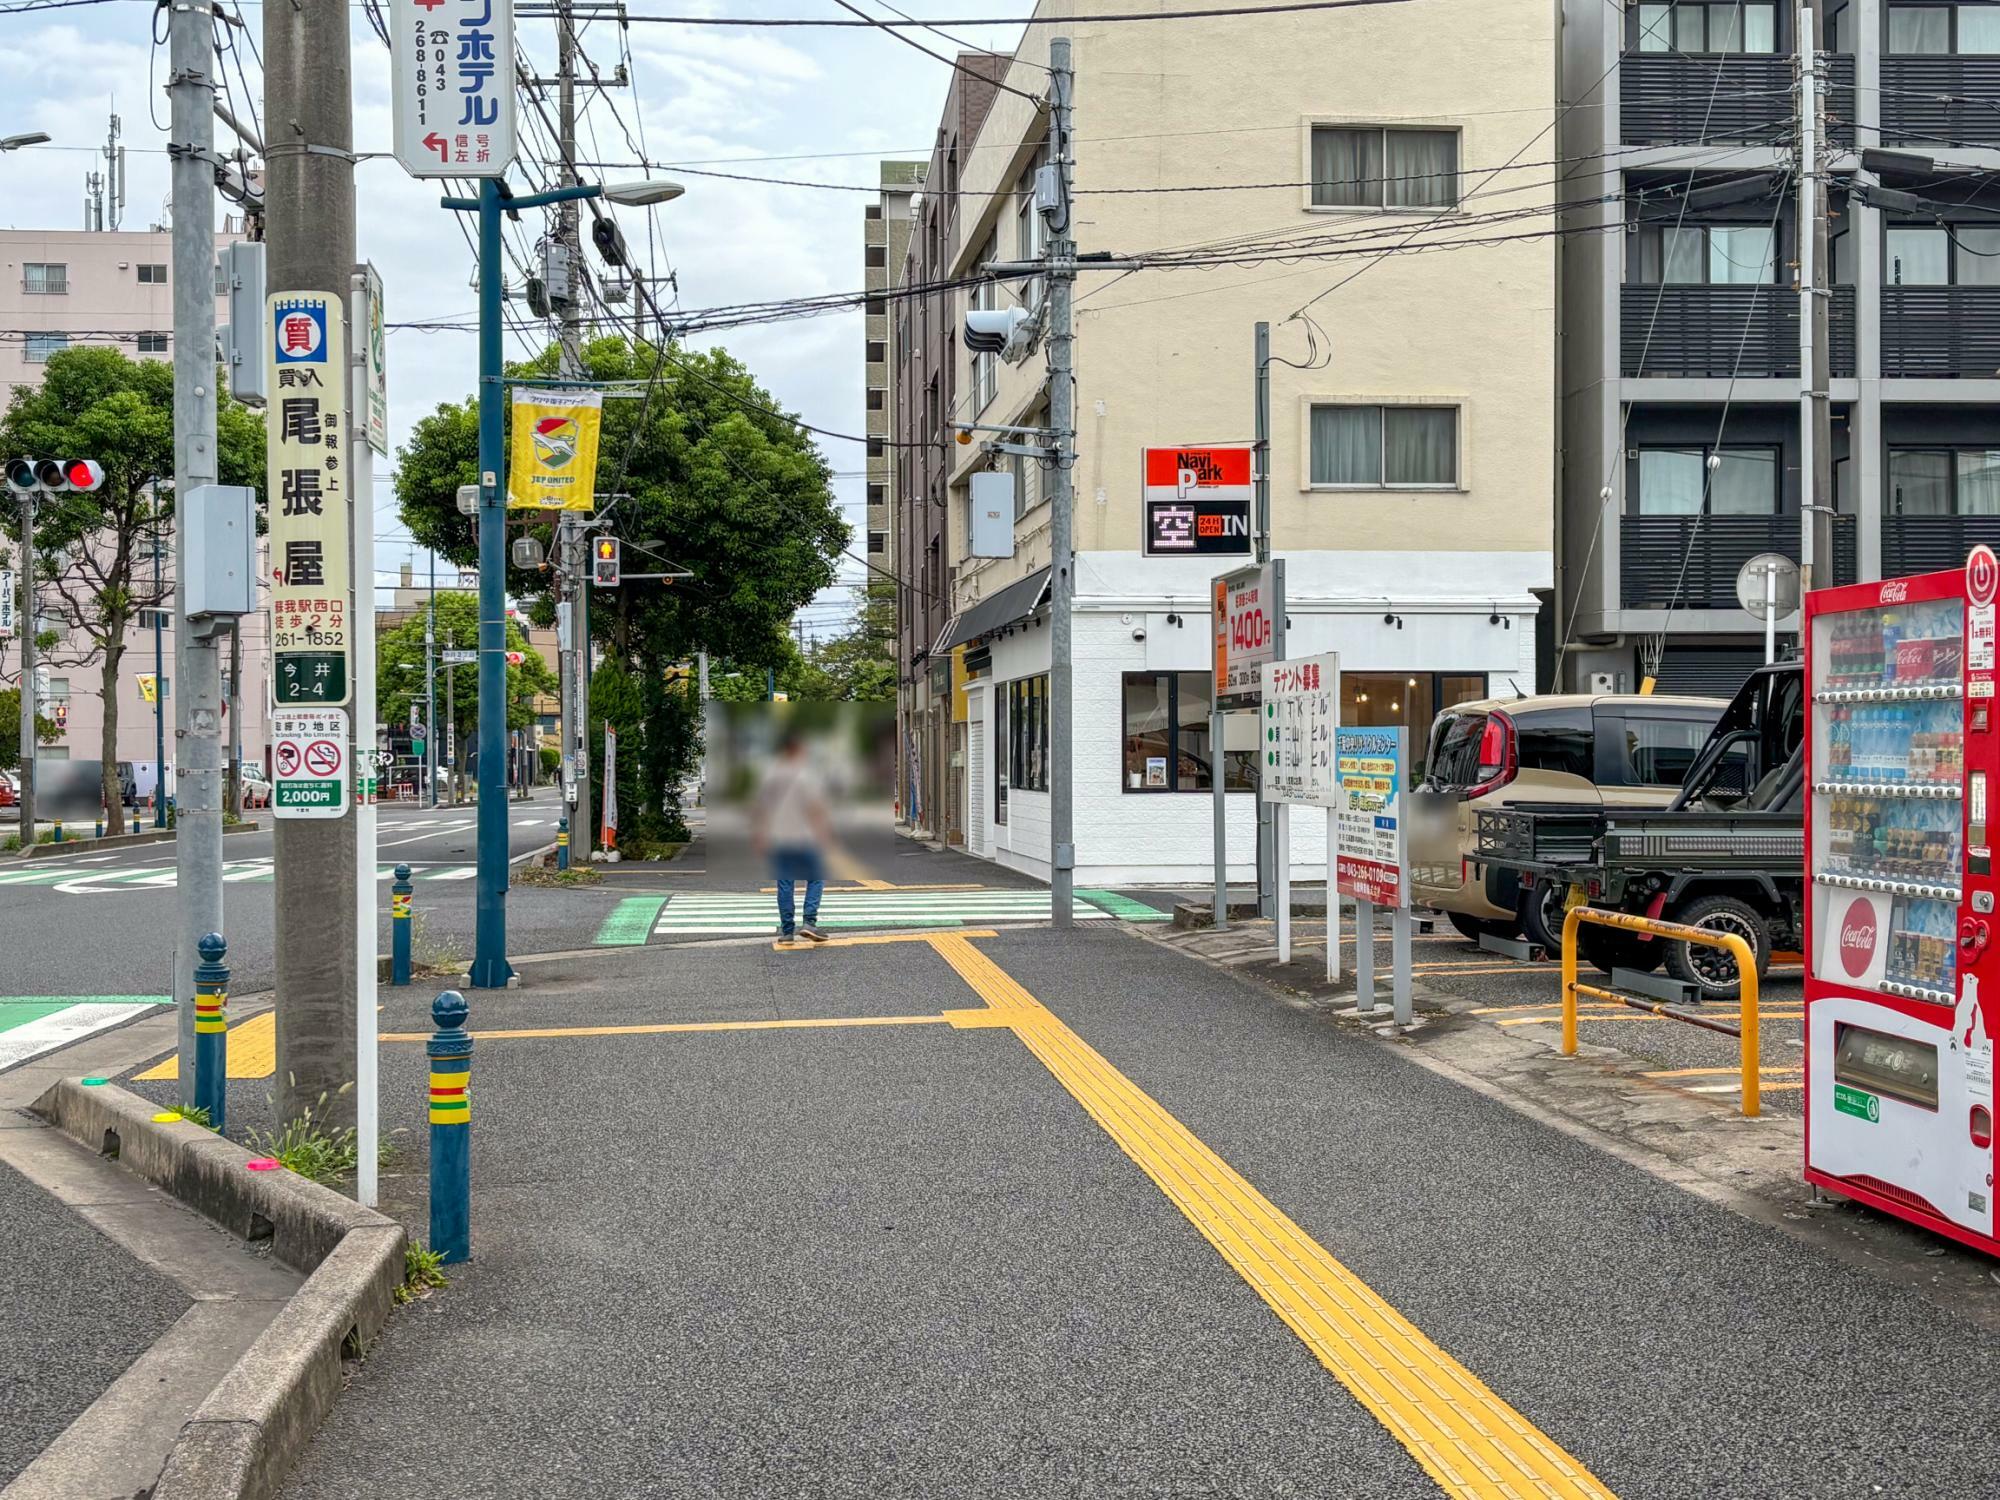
[(922, 337), (1682, 417)]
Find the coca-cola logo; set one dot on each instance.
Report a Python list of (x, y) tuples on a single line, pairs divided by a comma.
[(1896, 591), (1857, 938)]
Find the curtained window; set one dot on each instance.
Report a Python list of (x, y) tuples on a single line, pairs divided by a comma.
[(1744, 481), (1708, 26), (1916, 30), (1713, 255), (1944, 482), (1367, 167), (1385, 446)]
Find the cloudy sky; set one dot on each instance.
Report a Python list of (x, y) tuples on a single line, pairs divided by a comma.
[(821, 105)]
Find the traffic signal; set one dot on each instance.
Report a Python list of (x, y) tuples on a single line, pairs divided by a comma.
[(54, 475), (604, 570)]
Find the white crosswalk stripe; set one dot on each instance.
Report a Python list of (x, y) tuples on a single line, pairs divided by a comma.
[(841, 910), (70, 881)]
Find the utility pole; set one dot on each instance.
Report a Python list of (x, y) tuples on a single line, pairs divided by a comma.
[(572, 536), (309, 237), (430, 693), (30, 697), (1267, 844), (191, 89), (450, 708), (1062, 497), (1816, 569), (159, 693)]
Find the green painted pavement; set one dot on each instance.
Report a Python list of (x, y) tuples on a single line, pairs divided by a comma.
[(630, 922), (19, 1011), (1124, 907)]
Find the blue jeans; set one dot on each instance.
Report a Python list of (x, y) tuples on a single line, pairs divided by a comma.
[(790, 866)]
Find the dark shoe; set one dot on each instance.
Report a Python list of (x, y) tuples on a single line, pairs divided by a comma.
[(812, 932)]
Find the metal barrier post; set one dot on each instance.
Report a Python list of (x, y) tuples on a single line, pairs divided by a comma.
[(1748, 1050), (399, 927), (1572, 919), (562, 843), (211, 1029), (450, 1050)]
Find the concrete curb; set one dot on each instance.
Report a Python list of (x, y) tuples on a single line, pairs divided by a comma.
[(118, 841), (249, 1430)]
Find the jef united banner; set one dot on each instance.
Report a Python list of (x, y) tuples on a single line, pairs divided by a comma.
[(309, 497), (554, 459)]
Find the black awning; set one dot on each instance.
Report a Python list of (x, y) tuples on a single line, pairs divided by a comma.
[(1015, 602)]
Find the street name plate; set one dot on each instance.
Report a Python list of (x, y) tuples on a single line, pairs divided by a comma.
[(309, 763)]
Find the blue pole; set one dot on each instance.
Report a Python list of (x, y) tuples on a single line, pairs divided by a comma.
[(562, 843), (399, 926), (450, 1049), (159, 704), (490, 969), (211, 1028)]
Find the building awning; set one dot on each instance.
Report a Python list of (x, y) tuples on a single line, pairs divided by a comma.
[(1015, 602)]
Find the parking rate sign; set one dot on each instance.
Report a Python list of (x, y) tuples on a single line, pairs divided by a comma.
[(309, 763)]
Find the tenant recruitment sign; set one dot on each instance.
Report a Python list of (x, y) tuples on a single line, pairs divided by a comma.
[(453, 86), (307, 467), (1301, 712)]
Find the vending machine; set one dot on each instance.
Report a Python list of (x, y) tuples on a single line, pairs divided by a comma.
[(1902, 968)]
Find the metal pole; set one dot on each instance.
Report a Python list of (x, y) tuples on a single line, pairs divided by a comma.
[(197, 656), (570, 361), (1217, 760), (367, 933), (30, 700), (1267, 882), (450, 717), (235, 706), (309, 239), (1770, 616), (1062, 531), (159, 698), (430, 694), (1815, 409), (580, 821), (1821, 494), (490, 969)]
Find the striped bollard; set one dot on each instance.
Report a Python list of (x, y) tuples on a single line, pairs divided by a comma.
[(399, 927), (562, 843), (450, 1050), (211, 1028), (59, 837)]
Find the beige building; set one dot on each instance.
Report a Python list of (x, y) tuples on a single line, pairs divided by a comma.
[(1321, 164), (885, 236)]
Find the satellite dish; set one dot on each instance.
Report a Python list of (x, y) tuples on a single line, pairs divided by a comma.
[(1772, 577)]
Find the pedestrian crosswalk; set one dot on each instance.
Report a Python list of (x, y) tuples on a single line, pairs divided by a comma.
[(72, 880), (843, 910)]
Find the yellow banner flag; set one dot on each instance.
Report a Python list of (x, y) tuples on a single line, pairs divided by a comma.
[(554, 456), (149, 687)]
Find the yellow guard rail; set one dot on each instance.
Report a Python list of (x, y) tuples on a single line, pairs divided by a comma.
[(1746, 968)]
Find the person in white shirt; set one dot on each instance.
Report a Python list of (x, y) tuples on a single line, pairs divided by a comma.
[(790, 825)]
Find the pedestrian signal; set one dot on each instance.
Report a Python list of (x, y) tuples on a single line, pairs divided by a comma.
[(604, 563)]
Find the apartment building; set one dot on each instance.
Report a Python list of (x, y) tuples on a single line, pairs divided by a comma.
[(923, 379), (62, 289), (1326, 157), (1682, 427)]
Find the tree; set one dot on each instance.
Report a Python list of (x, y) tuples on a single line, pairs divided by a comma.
[(719, 483), (399, 675), (46, 730), (95, 549), (860, 665)]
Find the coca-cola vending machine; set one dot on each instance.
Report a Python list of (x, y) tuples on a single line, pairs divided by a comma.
[(1901, 970)]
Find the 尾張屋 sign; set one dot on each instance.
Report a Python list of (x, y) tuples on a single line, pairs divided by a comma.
[(308, 762), (1196, 501), (453, 86), (307, 467), (553, 465), (1369, 770)]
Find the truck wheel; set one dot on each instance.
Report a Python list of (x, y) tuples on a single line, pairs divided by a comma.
[(1608, 948), (1712, 970)]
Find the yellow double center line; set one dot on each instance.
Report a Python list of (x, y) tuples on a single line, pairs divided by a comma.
[(1469, 1440)]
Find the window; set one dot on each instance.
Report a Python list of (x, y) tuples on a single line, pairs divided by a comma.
[(1413, 447), (1369, 167), (878, 494), (1942, 30), (876, 447), (999, 759), (877, 256), (877, 352), (1556, 739), (153, 343), (44, 278), (878, 398), (39, 346), (1028, 492), (1710, 254), (1695, 26), (878, 541), (1166, 737), (1030, 233), (148, 617), (1639, 747), (876, 305), (1670, 481), (986, 367), (1028, 738), (871, 210), (152, 273), (1944, 482), (1944, 255)]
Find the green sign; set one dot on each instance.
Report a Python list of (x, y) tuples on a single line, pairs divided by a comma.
[(1857, 1102), (314, 794), (309, 678)]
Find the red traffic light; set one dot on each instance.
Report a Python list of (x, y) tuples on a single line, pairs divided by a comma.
[(83, 473)]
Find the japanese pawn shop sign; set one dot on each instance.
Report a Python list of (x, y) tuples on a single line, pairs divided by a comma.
[(553, 462), (308, 499), (1369, 768), (308, 762), (454, 87)]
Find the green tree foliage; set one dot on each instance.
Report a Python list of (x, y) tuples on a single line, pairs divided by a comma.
[(860, 665), (95, 550), (719, 485), (10, 729), (399, 676)]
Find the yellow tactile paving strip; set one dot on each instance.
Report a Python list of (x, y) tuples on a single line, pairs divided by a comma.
[(1470, 1441)]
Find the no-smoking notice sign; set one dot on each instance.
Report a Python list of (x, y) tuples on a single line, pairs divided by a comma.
[(309, 763)]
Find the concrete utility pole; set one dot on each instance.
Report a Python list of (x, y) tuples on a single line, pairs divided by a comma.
[(191, 88), (30, 699), (1062, 491), (1816, 568), (309, 197), (1267, 843), (430, 797), (572, 536)]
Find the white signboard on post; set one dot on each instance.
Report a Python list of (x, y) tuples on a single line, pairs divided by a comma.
[(308, 467), (375, 360), (6, 602), (453, 86), (1301, 711), (1374, 857), (309, 763), (1247, 606)]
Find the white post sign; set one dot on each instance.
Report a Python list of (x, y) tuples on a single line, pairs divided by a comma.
[(6, 602), (1371, 767), (1247, 605), (309, 762), (308, 468), (1301, 711), (375, 361), (454, 86)]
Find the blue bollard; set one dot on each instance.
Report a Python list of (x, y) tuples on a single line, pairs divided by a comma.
[(562, 843), (211, 1028), (399, 927), (450, 1050), (59, 837)]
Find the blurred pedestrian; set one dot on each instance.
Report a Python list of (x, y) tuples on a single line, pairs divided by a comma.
[(791, 825)]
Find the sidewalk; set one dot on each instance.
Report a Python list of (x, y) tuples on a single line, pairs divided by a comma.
[(869, 1220)]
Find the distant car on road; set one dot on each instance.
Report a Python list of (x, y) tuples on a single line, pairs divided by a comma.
[(10, 789), (254, 786)]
